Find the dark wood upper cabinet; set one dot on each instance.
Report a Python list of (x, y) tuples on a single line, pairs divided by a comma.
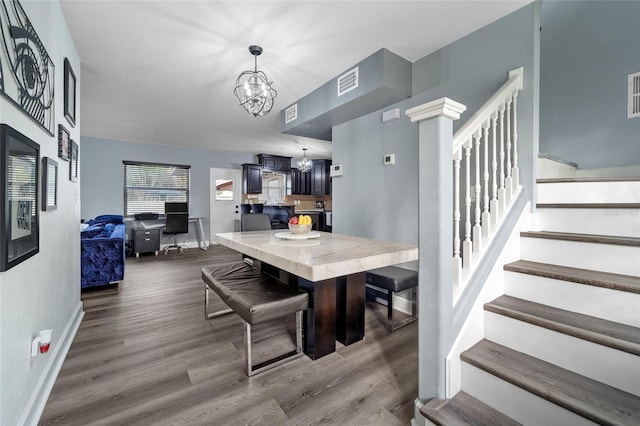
[(275, 163), (251, 178), (320, 177), (300, 182)]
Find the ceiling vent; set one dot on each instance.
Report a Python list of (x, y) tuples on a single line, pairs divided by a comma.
[(633, 96), (348, 81), (291, 113)]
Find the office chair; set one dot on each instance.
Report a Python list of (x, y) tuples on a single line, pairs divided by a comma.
[(255, 222), (177, 223)]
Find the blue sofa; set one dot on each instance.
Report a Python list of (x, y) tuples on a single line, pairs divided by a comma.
[(102, 251)]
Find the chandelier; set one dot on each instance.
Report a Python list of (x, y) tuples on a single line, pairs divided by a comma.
[(254, 90), (304, 164)]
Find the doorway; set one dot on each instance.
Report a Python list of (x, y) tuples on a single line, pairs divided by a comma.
[(225, 194)]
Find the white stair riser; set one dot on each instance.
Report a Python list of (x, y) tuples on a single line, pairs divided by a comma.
[(589, 192), (598, 257), (619, 222), (612, 305), (598, 362), (515, 402)]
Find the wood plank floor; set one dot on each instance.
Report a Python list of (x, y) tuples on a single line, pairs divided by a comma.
[(147, 356)]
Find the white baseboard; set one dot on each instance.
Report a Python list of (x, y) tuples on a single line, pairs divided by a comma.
[(35, 406)]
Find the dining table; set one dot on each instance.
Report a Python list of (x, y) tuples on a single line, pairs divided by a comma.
[(331, 267)]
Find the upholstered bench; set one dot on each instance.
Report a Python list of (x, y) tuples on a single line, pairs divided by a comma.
[(394, 279), (256, 298)]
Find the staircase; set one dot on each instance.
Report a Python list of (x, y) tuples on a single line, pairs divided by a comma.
[(562, 345)]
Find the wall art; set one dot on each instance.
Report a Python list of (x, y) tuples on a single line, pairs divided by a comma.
[(49, 184), (63, 142), (26, 70), (73, 161), (20, 165), (69, 93)]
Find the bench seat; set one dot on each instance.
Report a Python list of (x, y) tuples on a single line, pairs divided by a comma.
[(394, 279), (256, 298)]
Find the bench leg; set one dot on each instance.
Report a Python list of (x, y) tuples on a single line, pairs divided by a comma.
[(254, 369), (208, 315), (391, 323)]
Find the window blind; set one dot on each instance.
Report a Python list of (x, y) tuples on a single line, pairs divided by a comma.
[(147, 186)]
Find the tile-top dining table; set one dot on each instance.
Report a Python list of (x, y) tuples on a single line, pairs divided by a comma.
[(331, 267)]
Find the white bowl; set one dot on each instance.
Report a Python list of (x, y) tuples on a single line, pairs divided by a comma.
[(299, 229)]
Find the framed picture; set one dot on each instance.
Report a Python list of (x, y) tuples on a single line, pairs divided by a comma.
[(73, 161), (69, 93), (49, 184), (63, 142), (20, 166)]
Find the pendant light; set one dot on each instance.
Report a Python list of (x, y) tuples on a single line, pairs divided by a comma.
[(253, 88)]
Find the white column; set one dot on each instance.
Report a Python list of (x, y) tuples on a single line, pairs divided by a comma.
[(435, 294), (507, 181), (502, 202), (457, 260), (467, 247)]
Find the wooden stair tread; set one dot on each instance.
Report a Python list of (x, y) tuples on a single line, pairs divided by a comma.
[(587, 179), (608, 333), (585, 238), (628, 283), (588, 205), (463, 410), (589, 398)]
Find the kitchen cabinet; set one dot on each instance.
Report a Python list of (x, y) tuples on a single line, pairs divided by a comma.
[(251, 179), (320, 177), (275, 163), (300, 182)]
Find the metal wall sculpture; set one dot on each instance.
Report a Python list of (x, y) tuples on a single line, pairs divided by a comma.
[(26, 70)]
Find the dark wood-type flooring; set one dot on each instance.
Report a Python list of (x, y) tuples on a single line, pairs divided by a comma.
[(147, 356)]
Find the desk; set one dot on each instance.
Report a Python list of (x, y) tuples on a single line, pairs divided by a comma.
[(332, 267), (161, 224)]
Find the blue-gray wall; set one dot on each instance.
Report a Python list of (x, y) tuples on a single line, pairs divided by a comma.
[(380, 201), (43, 292), (103, 173), (587, 50)]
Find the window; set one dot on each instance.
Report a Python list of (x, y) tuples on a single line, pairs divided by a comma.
[(147, 186)]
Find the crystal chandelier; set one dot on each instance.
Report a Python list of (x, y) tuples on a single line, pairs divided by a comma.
[(304, 164), (254, 90)]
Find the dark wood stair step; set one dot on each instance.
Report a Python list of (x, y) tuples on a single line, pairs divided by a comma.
[(618, 336), (464, 410), (608, 280), (584, 238), (584, 396)]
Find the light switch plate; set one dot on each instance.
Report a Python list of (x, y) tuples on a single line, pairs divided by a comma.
[(389, 159)]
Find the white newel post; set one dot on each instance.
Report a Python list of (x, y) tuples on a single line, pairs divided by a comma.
[(436, 216)]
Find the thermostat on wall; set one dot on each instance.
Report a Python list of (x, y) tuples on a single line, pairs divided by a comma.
[(336, 170), (389, 159)]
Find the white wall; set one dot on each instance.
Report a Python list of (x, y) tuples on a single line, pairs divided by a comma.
[(44, 291)]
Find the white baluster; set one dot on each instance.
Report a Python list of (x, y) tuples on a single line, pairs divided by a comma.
[(467, 245), (486, 220), (457, 261), (515, 172), (493, 206), (477, 227), (502, 204), (508, 184)]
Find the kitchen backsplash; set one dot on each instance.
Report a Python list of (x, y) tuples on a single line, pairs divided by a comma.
[(301, 202)]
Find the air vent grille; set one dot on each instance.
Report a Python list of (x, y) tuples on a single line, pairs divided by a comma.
[(291, 113), (348, 81), (634, 96)]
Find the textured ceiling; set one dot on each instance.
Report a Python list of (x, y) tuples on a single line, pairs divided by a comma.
[(163, 72)]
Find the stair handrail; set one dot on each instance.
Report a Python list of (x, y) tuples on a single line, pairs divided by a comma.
[(480, 117)]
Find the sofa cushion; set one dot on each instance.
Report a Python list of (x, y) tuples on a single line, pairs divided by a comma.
[(107, 218), (91, 231)]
